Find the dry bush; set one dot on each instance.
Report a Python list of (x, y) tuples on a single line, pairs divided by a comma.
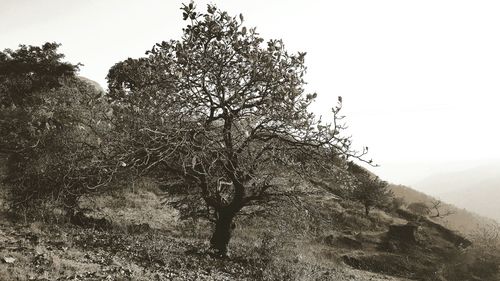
[(275, 258), (479, 262), (133, 204)]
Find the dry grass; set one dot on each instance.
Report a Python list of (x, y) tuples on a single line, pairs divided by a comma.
[(136, 204)]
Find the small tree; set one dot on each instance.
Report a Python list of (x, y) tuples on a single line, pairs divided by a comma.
[(223, 113), (369, 189), (433, 209), (419, 208), (438, 210)]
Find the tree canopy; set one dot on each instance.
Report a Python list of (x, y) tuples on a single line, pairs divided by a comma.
[(26, 75), (49, 126), (224, 113), (369, 189)]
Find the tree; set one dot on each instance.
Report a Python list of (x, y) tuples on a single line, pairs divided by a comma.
[(479, 262), (433, 209), (438, 211), (369, 189), (419, 208), (223, 114), (26, 76), (49, 127)]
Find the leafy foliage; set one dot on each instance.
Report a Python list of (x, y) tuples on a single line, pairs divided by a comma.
[(224, 113), (27, 75), (51, 123), (369, 189)]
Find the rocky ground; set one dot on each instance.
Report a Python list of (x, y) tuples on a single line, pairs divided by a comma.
[(137, 238), (131, 235), (38, 251)]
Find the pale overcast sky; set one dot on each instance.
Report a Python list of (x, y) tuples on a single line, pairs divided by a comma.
[(420, 80)]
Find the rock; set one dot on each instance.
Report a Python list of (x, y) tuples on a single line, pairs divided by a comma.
[(352, 261), (80, 219), (349, 242), (409, 216), (343, 241), (448, 234), (330, 240), (138, 228), (9, 260), (405, 233)]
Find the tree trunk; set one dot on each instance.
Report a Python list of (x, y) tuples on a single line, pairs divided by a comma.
[(222, 234)]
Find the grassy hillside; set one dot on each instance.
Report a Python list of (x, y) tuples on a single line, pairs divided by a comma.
[(144, 240), (130, 235), (134, 234)]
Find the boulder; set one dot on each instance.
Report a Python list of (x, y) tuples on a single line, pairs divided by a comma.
[(80, 219), (343, 241), (404, 233)]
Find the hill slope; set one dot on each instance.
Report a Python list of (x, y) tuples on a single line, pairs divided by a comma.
[(128, 248), (461, 219), (128, 234), (476, 189)]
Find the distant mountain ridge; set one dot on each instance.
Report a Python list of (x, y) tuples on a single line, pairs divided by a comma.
[(464, 219), (476, 189), (461, 219)]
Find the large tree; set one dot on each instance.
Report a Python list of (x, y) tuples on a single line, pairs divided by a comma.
[(223, 113)]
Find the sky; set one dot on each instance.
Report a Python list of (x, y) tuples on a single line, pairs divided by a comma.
[(420, 80)]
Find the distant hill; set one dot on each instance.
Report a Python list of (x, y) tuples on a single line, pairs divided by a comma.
[(462, 220), (476, 189), (93, 83)]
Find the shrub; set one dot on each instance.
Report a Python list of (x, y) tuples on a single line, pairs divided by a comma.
[(54, 129)]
